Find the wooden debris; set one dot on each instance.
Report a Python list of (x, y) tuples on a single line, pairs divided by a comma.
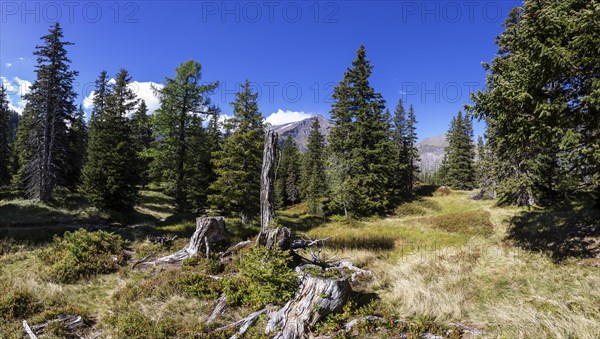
[(219, 309), (209, 232), (278, 237), (315, 298), (267, 181)]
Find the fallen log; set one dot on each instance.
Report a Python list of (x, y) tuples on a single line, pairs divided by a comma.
[(219, 309), (315, 298), (209, 232), (70, 322), (233, 249), (244, 324)]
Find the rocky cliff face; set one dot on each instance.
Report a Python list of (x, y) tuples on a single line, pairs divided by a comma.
[(300, 130), (431, 152)]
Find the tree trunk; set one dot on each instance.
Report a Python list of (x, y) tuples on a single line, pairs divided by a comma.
[(209, 232), (267, 181), (315, 298)]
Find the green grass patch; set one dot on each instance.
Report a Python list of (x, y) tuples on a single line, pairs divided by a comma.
[(470, 223)]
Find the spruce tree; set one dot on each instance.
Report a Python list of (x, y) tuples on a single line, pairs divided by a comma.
[(458, 163), (143, 138), (77, 137), (361, 145), (410, 149), (541, 104), (4, 138), (110, 174), (184, 100), (287, 189), (50, 106), (314, 179), (238, 163), (405, 138)]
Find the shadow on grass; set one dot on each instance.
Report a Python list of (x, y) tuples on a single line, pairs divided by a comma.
[(563, 232), (425, 190)]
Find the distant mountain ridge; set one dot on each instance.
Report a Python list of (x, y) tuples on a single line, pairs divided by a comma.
[(431, 150), (300, 130)]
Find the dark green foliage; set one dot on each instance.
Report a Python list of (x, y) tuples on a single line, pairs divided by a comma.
[(314, 178), (78, 134), (4, 138), (542, 101), (183, 149), (143, 138), (81, 254), (50, 108), (287, 190), (264, 277), (458, 165), (238, 163), (361, 145), (111, 173), (405, 138)]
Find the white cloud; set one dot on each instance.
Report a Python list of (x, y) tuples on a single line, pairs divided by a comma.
[(15, 89), (8, 65), (143, 90), (21, 58), (282, 117)]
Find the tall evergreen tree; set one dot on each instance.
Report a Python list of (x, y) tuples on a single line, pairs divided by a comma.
[(184, 100), (314, 179), (4, 138), (143, 138), (405, 138), (458, 163), (50, 104), (287, 189), (77, 137), (410, 149), (541, 101), (110, 175), (360, 144), (238, 163)]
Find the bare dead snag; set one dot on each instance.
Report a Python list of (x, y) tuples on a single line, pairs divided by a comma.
[(209, 231), (315, 298), (235, 248), (267, 181)]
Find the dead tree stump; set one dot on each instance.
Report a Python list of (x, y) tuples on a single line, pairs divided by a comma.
[(209, 232), (315, 298), (278, 237), (267, 181)]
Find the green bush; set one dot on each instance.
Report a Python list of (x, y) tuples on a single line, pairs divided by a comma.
[(470, 223), (133, 324), (17, 304), (81, 254), (264, 277)]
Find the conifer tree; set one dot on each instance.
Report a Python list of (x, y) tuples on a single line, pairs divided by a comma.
[(238, 163), (410, 149), (287, 189), (541, 101), (110, 175), (4, 138), (314, 179), (458, 163), (78, 133), (184, 100), (405, 138), (142, 135), (361, 145), (50, 106)]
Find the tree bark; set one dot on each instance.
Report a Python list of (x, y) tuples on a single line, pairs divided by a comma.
[(267, 181), (277, 237), (315, 298), (209, 232)]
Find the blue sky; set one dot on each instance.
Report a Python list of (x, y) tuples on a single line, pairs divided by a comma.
[(427, 52)]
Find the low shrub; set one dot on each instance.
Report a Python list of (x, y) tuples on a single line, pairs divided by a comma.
[(471, 222), (134, 324), (264, 276), (81, 254), (17, 304)]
